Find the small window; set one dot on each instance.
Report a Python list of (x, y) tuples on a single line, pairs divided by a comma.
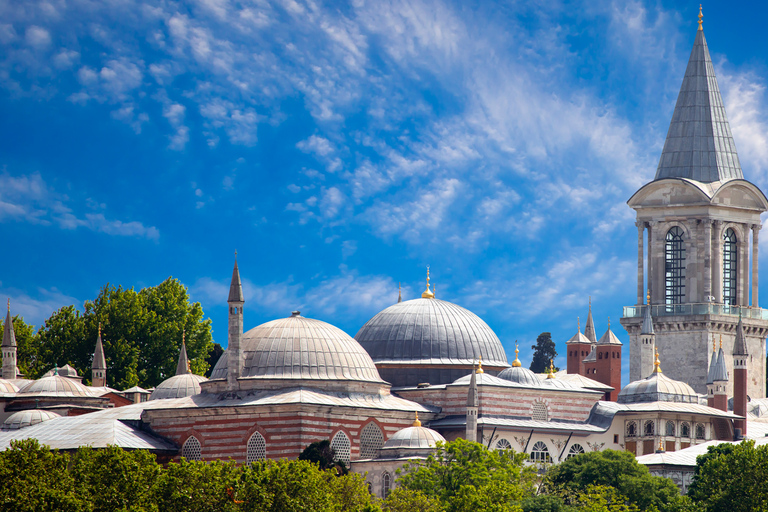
[(540, 453), (503, 444), (539, 412), (631, 429), (648, 428), (700, 431), (670, 430), (685, 430), (576, 449), (342, 447), (615, 438), (191, 450), (371, 441), (387, 484), (257, 448)]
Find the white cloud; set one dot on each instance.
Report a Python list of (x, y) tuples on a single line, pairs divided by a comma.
[(37, 306), (37, 37)]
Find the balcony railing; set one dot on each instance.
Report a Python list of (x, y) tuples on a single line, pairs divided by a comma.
[(705, 308)]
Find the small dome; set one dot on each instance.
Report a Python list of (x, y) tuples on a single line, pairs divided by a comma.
[(413, 438), (27, 418), (7, 386), (520, 375), (301, 348), (55, 385), (178, 386), (482, 379), (657, 388)]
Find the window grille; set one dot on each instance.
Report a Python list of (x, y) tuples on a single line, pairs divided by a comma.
[(540, 412), (685, 430), (371, 441), (191, 450), (503, 444), (387, 479), (631, 429), (648, 429), (540, 453), (576, 449), (342, 447), (700, 431), (674, 267), (671, 428), (730, 267), (257, 448)]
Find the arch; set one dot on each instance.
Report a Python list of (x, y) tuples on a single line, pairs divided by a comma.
[(674, 266), (701, 432), (371, 441), (256, 449), (540, 411), (576, 449), (540, 452), (730, 267), (386, 484), (503, 444), (632, 429), (342, 446), (685, 430), (649, 428), (191, 449), (670, 429)]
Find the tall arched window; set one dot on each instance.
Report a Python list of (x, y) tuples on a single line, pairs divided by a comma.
[(670, 429), (191, 450), (503, 444), (371, 441), (257, 448), (540, 453), (342, 447), (387, 484), (674, 266), (729, 267)]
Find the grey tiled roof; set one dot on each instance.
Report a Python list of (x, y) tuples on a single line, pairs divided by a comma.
[(27, 418), (609, 338), (520, 375), (55, 385), (699, 143), (581, 381), (431, 330)]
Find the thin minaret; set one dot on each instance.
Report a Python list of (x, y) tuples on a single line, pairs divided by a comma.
[(740, 357), (99, 365), (234, 357), (10, 371), (473, 404)]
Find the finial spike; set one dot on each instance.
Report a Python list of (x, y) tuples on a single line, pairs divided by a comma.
[(183, 335), (721, 341), (714, 343), (648, 297), (480, 366), (657, 363), (701, 16), (417, 422), (235, 254), (99, 329), (551, 373), (428, 294), (516, 363), (609, 323), (578, 322)]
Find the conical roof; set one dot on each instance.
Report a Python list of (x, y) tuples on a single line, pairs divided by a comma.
[(9, 335), (720, 372), (712, 363), (740, 345), (647, 321), (699, 144), (609, 338), (182, 367), (236, 287), (99, 362), (589, 329)]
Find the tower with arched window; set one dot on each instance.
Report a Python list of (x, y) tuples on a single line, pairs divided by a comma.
[(697, 253)]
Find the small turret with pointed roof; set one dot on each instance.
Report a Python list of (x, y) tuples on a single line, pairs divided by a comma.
[(589, 329), (720, 373), (235, 331), (740, 358), (740, 344), (647, 318), (236, 286), (10, 371), (473, 405), (712, 362), (720, 380), (99, 364), (9, 335), (182, 368), (647, 338)]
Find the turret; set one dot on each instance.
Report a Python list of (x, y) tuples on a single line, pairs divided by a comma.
[(740, 360), (647, 339), (234, 357), (182, 368), (579, 347), (99, 365), (473, 405), (608, 363), (720, 381), (10, 371), (710, 375)]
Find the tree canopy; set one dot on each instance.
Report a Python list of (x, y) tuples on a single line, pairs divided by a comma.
[(543, 352)]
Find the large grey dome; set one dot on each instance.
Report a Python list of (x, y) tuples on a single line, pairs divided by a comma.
[(301, 348), (657, 388), (429, 340)]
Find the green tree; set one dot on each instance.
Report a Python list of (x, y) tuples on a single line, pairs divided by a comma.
[(323, 454), (198, 486), (543, 352), (619, 470), (407, 500), (731, 478)]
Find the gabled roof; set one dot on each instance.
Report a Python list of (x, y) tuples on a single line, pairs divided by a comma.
[(699, 142)]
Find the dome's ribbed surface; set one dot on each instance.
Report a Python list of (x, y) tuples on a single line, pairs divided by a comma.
[(413, 438), (178, 386), (302, 348), (7, 386), (520, 375), (55, 385), (27, 418), (429, 340), (657, 388)]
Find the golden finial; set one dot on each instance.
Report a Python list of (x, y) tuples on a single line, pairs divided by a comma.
[(648, 297), (99, 329), (578, 323), (480, 366), (551, 374), (183, 335), (701, 16), (657, 363), (721, 341), (516, 362), (434, 290), (427, 294), (661, 446), (609, 323), (714, 344), (416, 422)]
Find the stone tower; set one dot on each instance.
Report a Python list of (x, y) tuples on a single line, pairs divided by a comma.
[(699, 215), (99, 365), (608, 363), (10, 371), (473, 405), (234, 357)]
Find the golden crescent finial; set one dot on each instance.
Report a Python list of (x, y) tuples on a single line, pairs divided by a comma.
[(701, 16), (609, 322), (9, 303), (516, 362), (657, 363), (427, 294), (183, 335), (416, 422)]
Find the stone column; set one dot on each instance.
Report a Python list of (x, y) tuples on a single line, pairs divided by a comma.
[(717, 261), (743, 255), (640, 254), (651, 254), (707, 274), (755, 233)]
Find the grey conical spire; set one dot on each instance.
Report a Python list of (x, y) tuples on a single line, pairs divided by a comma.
[(9, 335), (99, 362), (712, 363), (472, 398), (720, 373), (647, 320), (236, 287), (699, 143), (589, 329), (182, 367), (740, 345)]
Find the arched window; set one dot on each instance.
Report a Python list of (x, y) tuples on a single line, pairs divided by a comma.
[(685, 430), (670, 428), (648, 428), (387, 484), (342, 447), (631, 429), (729, 267), (700, 431), (576, 449), (257, 448), (503, 444), (674, 266), (191, 450), (540, 453), (371, 441), (539, 412)]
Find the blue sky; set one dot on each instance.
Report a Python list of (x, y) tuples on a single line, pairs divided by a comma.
[(342, 147)]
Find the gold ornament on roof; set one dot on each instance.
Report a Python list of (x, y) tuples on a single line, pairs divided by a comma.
[(714, 344), (516, 362), (427, 294), (551, 373), (99, 329), (648, 297), (657, 363), (661, 446), (701, 16), (721, 341), (578, 323), (416, 422), (480, 366)]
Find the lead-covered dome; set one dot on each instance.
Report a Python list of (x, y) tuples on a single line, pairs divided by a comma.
[(657, 388), (28, 418), (178, 386), (54, 386), (429, 340), (520, 375), (301, 348)]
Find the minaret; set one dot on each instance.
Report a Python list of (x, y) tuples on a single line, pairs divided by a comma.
[(234, 357), (99, 365), (182, 368), (720, 381), (740, 359), (10, 371), (710, 375), (473, 404), (589, 329), (647, 341)]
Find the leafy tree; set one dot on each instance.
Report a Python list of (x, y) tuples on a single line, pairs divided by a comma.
[(543, 352), (214, 354), (407, 500), (731, 478), (601, 498), (619, 470), (199, 486), (323, 454)]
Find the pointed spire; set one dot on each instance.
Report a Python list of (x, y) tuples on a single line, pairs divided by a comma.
[(647, 318), (182, 367), (427, 294), (99, 362), (712, 362), (9, 335), (740, 345), (472, 398), (699, 143), (589, 329), (516, 363), (400, 299), (720, 372), (417, 422), (236, 286)]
